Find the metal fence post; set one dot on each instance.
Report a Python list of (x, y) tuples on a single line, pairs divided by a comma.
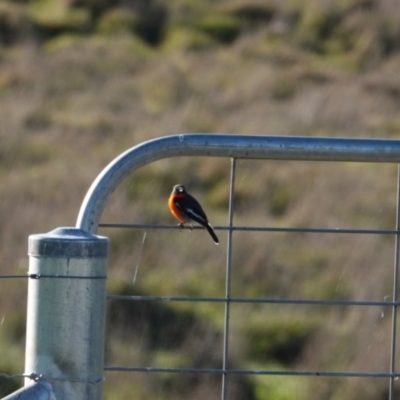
[(66, 312)]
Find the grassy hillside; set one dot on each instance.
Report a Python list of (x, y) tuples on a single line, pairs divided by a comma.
[(82, 81)]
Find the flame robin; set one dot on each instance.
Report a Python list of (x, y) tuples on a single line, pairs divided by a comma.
[(186, 208)]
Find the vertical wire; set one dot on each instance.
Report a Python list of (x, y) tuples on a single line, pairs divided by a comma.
[(228, 280), (395, 292)]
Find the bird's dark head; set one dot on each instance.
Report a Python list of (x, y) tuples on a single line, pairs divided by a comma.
[(179, 189)]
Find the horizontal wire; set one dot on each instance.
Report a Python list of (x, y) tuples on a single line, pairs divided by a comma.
[(40, 276), (254, 372), (253, 300), (15, 376), (66, 379), (38, 377), (256, 229)]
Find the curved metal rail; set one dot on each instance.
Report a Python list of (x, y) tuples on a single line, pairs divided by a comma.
[(235, 146)]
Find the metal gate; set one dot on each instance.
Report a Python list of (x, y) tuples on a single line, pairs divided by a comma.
[(81, 243)]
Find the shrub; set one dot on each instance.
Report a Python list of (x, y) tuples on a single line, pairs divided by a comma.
[(221, 27)]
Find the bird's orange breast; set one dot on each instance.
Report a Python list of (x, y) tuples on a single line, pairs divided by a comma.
[(172, 207)]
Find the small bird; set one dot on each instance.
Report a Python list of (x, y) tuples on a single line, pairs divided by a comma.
[(186, 208)]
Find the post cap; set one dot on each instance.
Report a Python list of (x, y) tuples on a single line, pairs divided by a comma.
[(68, 242)]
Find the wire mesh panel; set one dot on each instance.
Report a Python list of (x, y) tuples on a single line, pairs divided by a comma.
[(318, 340)]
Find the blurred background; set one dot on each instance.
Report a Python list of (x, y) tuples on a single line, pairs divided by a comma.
[(83, 80)]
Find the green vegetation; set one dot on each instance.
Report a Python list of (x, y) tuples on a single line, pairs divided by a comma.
[(82, 81), (280, 387)]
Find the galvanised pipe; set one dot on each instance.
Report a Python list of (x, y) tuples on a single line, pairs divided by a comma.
[(66, 312)]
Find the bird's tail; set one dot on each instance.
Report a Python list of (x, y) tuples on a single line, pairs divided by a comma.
[(210, 230)]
